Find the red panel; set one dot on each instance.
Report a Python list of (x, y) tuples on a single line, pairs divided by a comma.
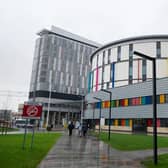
[(123, 122), (96, 79), (158, 122), (149, 122)]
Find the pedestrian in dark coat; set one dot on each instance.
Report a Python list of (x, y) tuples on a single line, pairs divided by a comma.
[(84, 129), (70, 127)]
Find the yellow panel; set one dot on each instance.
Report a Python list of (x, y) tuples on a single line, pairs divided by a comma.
[(108, 103), (117, 103), (140, 100), (103, 104), (116, 122), (162, 98), (126, 102), (130, 123)]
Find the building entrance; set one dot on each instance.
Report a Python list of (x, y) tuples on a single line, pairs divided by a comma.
[(139, 126)]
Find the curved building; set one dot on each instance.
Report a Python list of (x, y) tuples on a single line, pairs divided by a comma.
[(114, 67)]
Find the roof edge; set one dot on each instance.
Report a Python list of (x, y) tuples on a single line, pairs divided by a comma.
[(146, 37)]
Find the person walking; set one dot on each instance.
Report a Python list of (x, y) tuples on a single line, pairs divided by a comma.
[(84, 129), (70, 127), (80, 129)]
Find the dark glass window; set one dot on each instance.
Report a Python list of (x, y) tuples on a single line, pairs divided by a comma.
[(119, 53), (103, 56), (143, 70), (109, 53), (158, 49), (166, 97), (119, 122), (130, 102), (164, 122), (130, 51)]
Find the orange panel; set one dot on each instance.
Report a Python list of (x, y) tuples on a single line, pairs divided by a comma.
[(162, 98), (126, 102)]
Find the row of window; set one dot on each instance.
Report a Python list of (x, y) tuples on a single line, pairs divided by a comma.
[(144, 100), (163, 122), (107, 56)]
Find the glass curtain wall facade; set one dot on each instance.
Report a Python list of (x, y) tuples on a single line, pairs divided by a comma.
[(61, 66)]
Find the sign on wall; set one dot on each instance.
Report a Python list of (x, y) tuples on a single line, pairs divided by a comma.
[(32, 111)]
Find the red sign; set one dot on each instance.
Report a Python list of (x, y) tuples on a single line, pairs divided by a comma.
[(32, 111)]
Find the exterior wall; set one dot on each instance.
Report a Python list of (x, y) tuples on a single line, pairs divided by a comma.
[(128, 77), (59, 73), (66, 60), (116, 65)]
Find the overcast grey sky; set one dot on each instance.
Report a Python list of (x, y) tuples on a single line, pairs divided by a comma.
[(102, 21)]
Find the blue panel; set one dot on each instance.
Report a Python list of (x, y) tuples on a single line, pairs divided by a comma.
[(148, 99), (98, 105), (113, 74), (89, 82)]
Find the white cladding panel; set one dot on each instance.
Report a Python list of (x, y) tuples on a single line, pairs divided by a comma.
[(121, 71), (100, 59), (94, 62), (125, 52), (164, 49), (149, 69), (161, 68), (145, 48), (121, 83), (107, 73), (94, 77), (113, 55), (137, 69), (106, 57)]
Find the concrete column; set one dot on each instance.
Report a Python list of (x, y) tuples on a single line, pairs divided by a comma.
[(53, 119), (42, 120), (59, 118)]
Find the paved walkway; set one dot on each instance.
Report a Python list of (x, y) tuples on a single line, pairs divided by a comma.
[(88, 152)]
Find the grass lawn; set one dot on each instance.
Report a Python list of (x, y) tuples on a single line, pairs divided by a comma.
[(128, 142), (9, 129), (162, 162), (133, 142), (12, 155)]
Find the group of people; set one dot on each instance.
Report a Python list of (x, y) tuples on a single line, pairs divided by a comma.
[(82, 128)]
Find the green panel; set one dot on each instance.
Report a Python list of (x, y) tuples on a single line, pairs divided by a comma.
[(127, 122), (143, 100)]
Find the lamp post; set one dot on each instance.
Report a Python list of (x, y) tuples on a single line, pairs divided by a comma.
[(109, 130), (49, 98), (82, 111), (99, 112), (155, 157), (93, 123)]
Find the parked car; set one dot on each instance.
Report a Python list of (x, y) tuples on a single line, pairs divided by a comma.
[(21, 123)]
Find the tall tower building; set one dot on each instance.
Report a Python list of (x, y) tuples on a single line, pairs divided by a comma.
[(59, 74)]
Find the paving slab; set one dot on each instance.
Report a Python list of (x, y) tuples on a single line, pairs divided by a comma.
[(88, 152)]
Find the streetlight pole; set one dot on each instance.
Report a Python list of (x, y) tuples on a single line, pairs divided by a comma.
[(154, 104), (49, 98), (93, 123), (99, 112), (109, 130), (82, 111)]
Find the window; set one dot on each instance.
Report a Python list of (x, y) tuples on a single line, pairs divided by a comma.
[(158, 49), (109, 54), (119, 53)]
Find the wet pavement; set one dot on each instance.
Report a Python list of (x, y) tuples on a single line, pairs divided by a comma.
[(89, 152)]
